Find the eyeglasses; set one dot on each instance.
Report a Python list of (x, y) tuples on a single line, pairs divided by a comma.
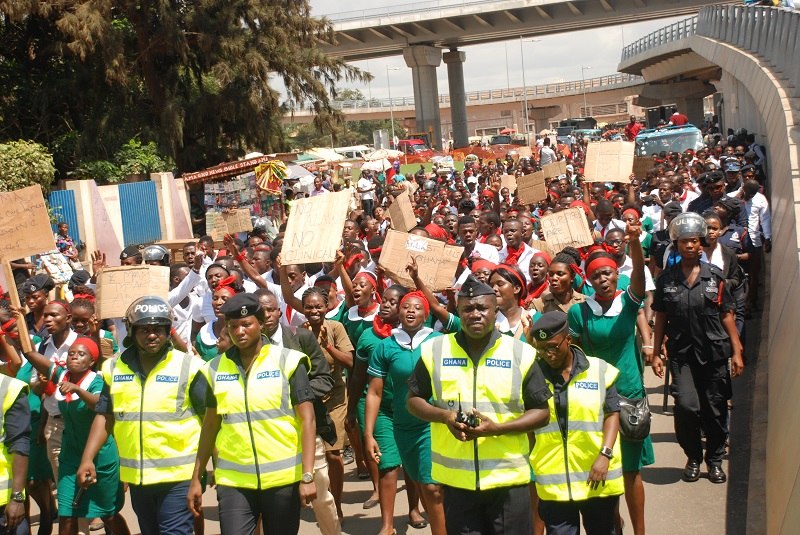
[(550, 348)]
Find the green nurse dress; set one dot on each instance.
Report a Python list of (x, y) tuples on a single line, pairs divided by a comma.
[(611, 336), (104, 498), (394, 360)]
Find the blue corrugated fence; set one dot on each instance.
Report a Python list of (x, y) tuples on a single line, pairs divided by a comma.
[(138, 203)]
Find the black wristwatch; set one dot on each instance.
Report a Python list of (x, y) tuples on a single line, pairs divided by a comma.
[(607, 452), (18, 496)]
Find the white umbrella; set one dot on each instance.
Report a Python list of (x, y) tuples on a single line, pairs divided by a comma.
[(297, 171), (328, 155), (381, 154), (377, 165)]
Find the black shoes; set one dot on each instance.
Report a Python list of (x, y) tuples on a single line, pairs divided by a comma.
[(716, 474), (692, 471)]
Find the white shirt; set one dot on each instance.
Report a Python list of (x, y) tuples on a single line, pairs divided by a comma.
[(613, 224), (486, 252), (627, 268), (546, 155), (320, 191), (59, 356), (524, 259), (759, 220), (365, 183)]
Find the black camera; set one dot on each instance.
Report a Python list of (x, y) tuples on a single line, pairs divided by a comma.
[(470, 419)]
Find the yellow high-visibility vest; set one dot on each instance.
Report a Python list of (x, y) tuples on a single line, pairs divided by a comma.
[(259, 442), (155, 426), (10, 389), (494, 387), (562, 465)]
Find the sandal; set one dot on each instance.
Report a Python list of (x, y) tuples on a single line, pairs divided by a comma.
[(419, 524), (369, 504)]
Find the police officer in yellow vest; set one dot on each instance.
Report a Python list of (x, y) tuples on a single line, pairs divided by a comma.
[(260, 417), (576, 457), (15, 426), (483, 395), (153, 403)]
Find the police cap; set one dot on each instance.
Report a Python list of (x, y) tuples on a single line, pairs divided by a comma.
[(130, 251), (550, 324), (472, 287), (42, 281), (672, 209), (240, 305)]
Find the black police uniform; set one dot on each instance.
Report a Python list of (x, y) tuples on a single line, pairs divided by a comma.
[(698, 348)]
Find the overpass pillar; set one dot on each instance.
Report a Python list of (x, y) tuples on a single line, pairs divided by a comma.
[(691, 107), (423, 61), (458, 98)]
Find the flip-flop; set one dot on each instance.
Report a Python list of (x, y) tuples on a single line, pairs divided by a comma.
[(363, 476), (419, 524), (369, 504)]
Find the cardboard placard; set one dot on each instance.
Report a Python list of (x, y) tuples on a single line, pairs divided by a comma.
[(609, 161), (555, 169), (524, 152), (437, 261), (314, 229), (531, 188), (24, 223), (566, 228), (508, 181), (641, 165), (218, 224), (118, 287), (402, 213)]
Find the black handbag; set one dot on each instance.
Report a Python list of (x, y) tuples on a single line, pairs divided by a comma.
[(634, 413)]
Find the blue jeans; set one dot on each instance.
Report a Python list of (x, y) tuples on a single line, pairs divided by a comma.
[(161, 509)]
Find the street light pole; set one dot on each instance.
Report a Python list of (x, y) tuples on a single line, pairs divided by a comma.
[(525, 84), (583, 83), (391, 102)]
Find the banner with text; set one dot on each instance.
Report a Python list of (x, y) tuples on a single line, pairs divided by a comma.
[(609, 161), (218, 224), (314, 229), (118, 287), (402, 213), (437, 261), (566, 228)]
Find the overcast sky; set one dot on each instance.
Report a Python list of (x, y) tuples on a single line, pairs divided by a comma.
[(553, 58)]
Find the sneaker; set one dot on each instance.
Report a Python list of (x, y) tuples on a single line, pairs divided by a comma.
[(348, 455)]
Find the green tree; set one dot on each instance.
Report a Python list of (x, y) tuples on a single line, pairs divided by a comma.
[(197, 77), (23, 164)]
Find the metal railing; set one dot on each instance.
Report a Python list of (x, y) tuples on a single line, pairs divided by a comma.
[(679, 30), (770, 33), (601, 83), (401, 8)]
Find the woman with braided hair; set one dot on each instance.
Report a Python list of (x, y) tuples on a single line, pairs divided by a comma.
[(83, 313), (561, 294)]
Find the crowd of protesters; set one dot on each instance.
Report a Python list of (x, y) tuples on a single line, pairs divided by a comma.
[(497, 400)]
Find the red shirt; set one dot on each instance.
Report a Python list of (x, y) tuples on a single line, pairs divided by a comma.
[(632, 130), (678, 119)]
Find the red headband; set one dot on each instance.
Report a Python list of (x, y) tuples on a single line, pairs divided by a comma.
[(227, 284), (520, 281), (62, 304), (369, 276), (89, 344), (545, 256), (598, 263), (631, 210), (480, 263), (323, 283), (86, 297), (5, 329), (358, 257), (419, 295)]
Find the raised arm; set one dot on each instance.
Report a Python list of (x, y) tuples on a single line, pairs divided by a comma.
[(632, 233), (437, 309)]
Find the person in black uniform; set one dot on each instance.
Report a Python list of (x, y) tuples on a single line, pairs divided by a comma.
[(695, 310), (712, 186)]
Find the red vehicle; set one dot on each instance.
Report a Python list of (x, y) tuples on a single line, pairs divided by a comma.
[(416, 148)]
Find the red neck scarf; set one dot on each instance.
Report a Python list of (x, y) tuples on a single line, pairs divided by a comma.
[(381, 328), (514, 254), (537, 291), (364, 311)]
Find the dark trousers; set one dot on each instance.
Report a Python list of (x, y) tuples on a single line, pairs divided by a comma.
[(701, 393), (21, 529), (367, 205), (279, 509), (505, 511), (564, 518), (161, 509)]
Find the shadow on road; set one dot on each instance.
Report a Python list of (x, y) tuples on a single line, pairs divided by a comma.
[(662, 475)]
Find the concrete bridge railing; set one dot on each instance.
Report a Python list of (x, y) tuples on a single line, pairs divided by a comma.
[(679, 30)]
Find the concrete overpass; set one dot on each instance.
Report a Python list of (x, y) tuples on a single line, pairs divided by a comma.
[(606, 98), (749, 55), (421, 32)]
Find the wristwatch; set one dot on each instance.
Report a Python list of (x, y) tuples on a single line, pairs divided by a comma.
[(607, 452), (308, 477), (18, 496)]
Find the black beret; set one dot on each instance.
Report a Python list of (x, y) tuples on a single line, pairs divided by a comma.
[(240, 306), (129, 251), (79, 277), (472, 287), (42, 281), (550, 324), (731, 204), (672, 209)]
